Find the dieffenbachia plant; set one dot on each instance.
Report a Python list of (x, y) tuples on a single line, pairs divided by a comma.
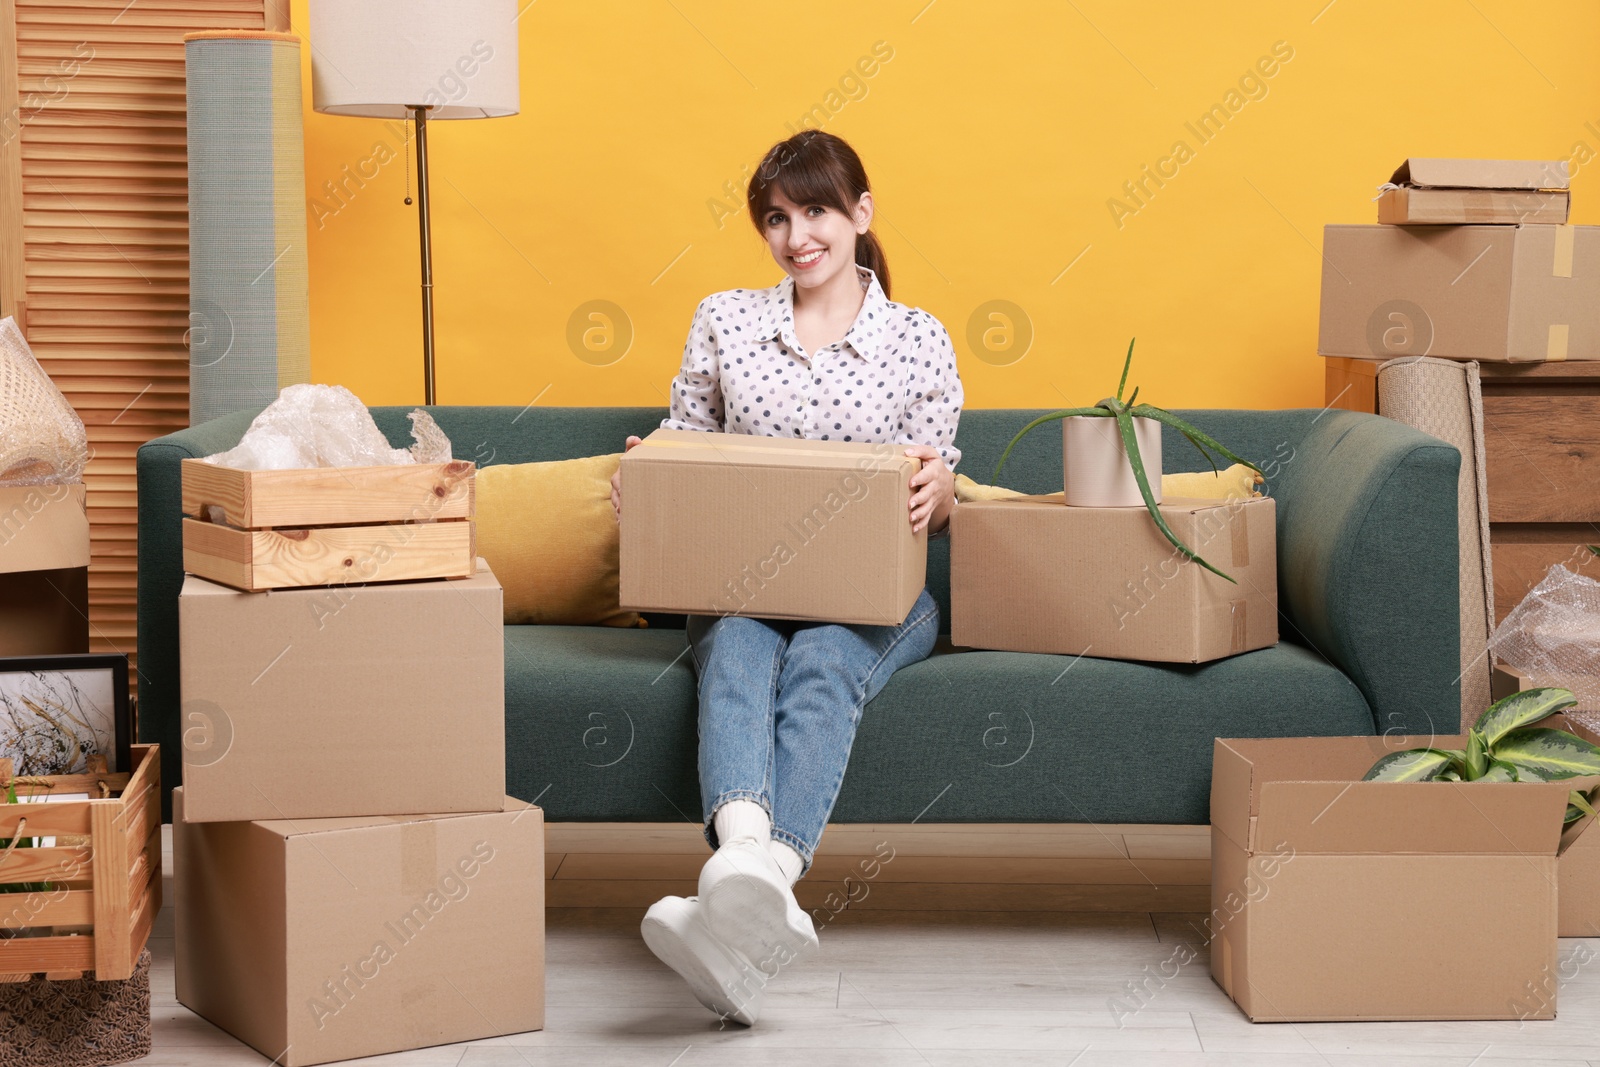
[(1504, 746), (1125, 413)]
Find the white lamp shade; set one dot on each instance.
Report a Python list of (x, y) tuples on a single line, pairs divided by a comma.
[(380, 58)]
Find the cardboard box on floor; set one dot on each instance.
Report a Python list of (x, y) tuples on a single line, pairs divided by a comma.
[(44, 570), (383, 699), (1501, 294), (1335, 899), (329, 939), (1432, 192), (1030, 574), (1579, 868), (781, 528)]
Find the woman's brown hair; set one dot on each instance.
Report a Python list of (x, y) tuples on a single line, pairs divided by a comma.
[(814, 167)]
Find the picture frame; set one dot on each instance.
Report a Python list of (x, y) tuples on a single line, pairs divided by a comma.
[(56, 711)]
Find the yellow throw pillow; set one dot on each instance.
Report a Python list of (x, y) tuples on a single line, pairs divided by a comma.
[(548, 532), (1237, 482)]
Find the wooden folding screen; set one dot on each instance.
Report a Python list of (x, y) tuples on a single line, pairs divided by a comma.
[(94, 235)]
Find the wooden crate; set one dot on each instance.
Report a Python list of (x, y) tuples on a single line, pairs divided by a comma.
[(103, 872), (329, 525)]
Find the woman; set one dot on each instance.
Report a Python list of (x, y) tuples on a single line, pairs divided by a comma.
[(823, 355)]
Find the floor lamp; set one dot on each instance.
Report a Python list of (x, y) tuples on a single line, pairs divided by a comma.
[(423, 60)]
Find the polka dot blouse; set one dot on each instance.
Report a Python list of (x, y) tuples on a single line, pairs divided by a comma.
[(891, 378)]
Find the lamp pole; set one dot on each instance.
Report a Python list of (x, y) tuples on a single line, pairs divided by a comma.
[(420, 112)]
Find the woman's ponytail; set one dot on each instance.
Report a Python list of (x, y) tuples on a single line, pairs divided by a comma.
[(869, 254)]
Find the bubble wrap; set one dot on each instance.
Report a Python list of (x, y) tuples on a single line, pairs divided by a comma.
[(1553, 637), (42, 441), (326, 426)]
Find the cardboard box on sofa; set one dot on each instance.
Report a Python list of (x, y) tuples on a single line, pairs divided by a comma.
[(328, 939), (1579, 867), (781, 528), (1032, 575), (1335, 899), (1502, 294), (383, 699), (44, 570), (1432, 192)]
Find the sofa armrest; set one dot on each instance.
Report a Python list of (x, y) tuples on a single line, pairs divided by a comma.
[(1368, 571), (159, 467)]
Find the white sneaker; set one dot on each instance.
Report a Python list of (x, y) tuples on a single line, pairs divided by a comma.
[(718, 975), (749, 904)]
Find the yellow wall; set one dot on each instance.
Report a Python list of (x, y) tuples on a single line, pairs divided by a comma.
[(995, 137)]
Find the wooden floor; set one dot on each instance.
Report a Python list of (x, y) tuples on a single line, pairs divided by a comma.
[(995, 945)]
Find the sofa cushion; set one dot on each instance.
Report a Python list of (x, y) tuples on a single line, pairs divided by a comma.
[(603, 723), (550, 535)]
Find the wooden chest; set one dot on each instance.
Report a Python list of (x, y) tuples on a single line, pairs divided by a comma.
[(1541, 428)]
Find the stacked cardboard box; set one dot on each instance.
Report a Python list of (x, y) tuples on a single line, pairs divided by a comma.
[(351, 877), (44, 570), (1470, 260)]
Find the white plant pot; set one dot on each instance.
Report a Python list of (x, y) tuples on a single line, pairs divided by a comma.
[(1098, 474)]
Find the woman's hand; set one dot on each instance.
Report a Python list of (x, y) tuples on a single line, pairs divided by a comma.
[(933, 490), (616, 482)]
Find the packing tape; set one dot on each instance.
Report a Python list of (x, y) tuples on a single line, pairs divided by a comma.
[(1241, 539), (419, 857), (1561, 267), (1237, 608), (1556, 347), (1480, 210)]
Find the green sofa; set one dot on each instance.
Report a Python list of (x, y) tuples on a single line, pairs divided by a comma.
[(600, 723)]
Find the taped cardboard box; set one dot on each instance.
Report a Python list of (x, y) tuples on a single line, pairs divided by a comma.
[(385, 699), (779, 528), (1501, 294), (1030, 574), (329, 939), (44, 570), (1579, 867), (1335, 899), (1432, 192)]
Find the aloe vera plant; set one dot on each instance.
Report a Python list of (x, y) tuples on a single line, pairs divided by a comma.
[(1125, 412), (22, 842), (1505, 746)]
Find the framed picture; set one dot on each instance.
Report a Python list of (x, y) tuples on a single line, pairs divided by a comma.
[(57, 711)]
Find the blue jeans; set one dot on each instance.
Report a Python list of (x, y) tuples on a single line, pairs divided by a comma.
[(779, 706)]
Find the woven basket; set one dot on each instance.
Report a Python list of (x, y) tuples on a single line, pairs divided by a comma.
[(76, 1023)]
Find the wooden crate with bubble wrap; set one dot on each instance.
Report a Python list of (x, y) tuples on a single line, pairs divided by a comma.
[(259, 530)]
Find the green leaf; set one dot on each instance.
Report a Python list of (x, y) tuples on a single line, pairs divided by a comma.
[(1581, 802), (1161, 415), (1499, 771), (1412, 765), (1065, 413), (1449, 776), (1522, 709), (1125, 365), (1548, 755), (1131, 444), (1203, 452), (1477, 760)]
